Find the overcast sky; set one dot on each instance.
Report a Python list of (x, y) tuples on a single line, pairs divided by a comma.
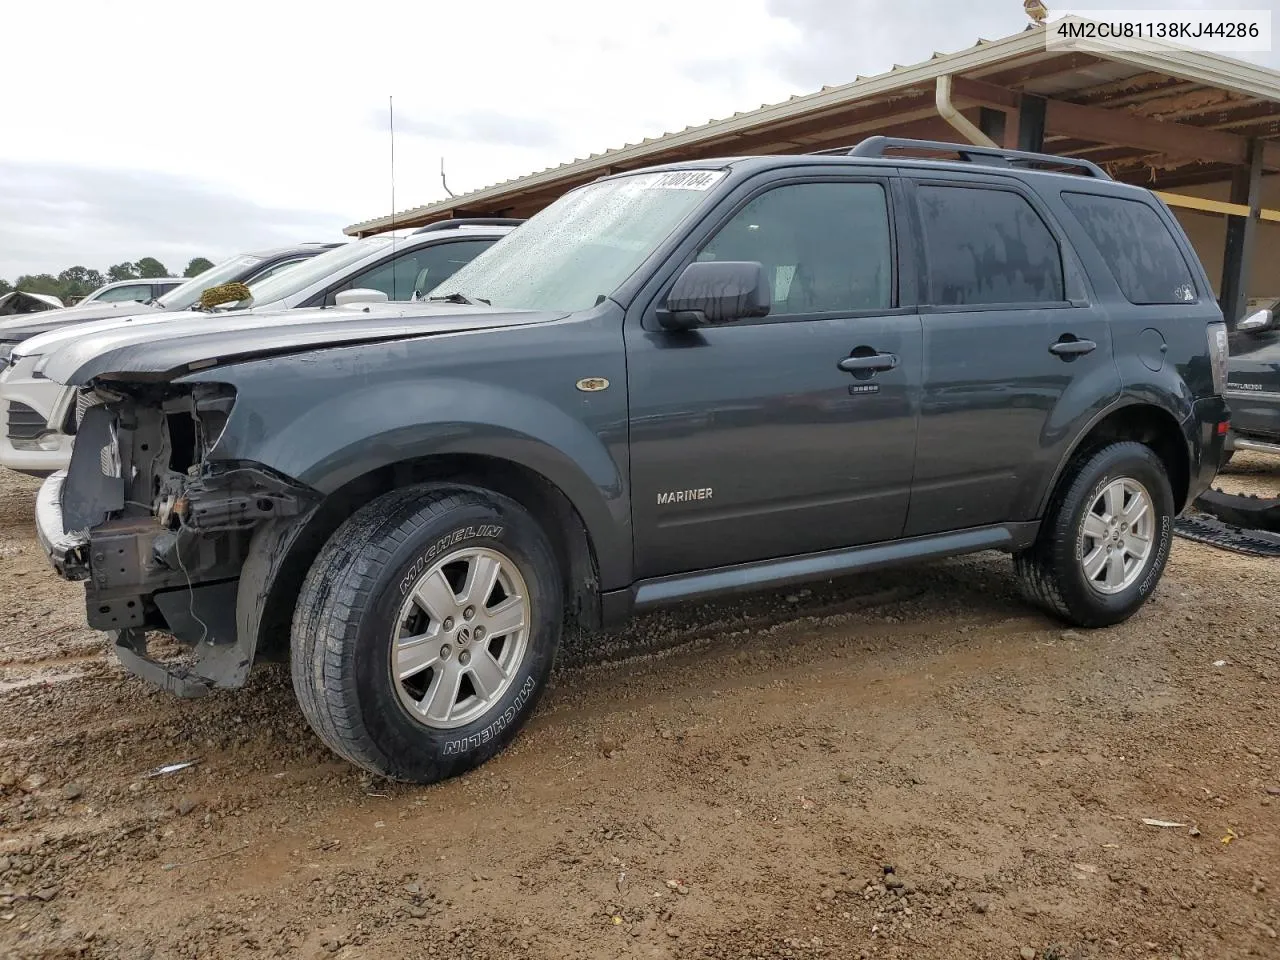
[(140, 128)]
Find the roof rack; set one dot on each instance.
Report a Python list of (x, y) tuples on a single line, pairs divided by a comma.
[(970, 153), (470, 222)]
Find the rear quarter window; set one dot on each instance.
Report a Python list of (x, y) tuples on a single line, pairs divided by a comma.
[(1137, 246)]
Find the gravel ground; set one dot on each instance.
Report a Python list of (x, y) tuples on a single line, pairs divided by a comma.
[(910, 765)]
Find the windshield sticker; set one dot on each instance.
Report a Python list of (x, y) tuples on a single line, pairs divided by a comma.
[(687, 180), (782, 278)]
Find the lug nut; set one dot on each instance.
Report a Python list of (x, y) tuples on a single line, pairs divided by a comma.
[(464, 658), (448, 623), (445, 651), (469, 613), (479, 634)]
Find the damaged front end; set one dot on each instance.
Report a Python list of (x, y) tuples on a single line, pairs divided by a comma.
[(157, 530)]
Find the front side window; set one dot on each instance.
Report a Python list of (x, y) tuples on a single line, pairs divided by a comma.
[(279, 283), (825, 247), (987, 246), (420, 270), (583, 247), (276, 269), (133, 291), (184, 296), (1137, 246)]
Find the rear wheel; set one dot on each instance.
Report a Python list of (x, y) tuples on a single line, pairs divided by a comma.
[(425, 631), (1105, 538)]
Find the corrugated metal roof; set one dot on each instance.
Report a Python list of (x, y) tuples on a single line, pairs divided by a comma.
[(984, 59)]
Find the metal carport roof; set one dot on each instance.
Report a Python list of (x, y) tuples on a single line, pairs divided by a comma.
[(1165, 118)]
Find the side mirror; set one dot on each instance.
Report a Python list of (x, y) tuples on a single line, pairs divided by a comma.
[(347, 298), (1256, 321), (712, 292)]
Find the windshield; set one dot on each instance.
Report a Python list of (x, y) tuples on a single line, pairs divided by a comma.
[(181, 298), (302, 275), (584, 245)]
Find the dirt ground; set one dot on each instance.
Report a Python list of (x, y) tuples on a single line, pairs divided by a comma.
[(736, 780)]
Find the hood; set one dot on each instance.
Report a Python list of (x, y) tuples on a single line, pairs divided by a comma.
[(163, 351), (50, 341), (29, 325), (47, 343)]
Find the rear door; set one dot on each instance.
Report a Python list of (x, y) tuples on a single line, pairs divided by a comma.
[(1015, 352), (749, 441)]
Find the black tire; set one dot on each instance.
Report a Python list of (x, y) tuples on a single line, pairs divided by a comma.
[(346, 616), (1051, 572)]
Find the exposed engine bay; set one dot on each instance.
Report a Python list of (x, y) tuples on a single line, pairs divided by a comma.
[(161, 532)]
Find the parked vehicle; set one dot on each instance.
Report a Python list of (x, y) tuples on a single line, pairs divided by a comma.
[(370, 270), (1253, 379), (20, 302), (671, 383), (246, 268), (132, 291)]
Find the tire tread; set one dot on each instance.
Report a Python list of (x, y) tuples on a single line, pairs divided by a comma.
[(1038, 567), (341, 581)]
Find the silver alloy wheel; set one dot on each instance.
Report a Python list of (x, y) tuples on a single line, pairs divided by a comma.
[(460, 637), (1117, 536)]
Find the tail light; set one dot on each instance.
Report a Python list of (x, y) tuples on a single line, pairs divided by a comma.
[(1219, 352)]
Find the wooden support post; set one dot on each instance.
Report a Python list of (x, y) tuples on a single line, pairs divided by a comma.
[(1237, 260)]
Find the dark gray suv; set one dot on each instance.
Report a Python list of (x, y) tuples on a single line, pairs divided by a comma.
[(672, 383)]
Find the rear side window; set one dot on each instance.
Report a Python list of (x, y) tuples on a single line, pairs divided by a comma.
[(1137, 246), (986, 247)]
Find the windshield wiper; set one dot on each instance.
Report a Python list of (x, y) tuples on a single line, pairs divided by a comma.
[(461, 298)]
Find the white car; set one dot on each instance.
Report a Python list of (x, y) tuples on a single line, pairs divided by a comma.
[(397, 267), (132, 291)]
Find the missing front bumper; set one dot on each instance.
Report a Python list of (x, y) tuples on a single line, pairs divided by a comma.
[(68, 551)]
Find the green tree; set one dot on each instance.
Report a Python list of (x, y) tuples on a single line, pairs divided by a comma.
[(122, 271), (39, 283), (5, 287), (79, 281), (150, 268), (197, 266)]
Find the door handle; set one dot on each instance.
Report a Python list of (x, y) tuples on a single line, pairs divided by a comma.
[(868, 364), (1068, 347)]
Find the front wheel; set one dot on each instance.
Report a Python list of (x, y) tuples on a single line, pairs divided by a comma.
[(1105, 538), (425, 631)]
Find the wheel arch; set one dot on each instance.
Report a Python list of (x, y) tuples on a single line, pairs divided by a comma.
[(1146, 423), (282, 552)]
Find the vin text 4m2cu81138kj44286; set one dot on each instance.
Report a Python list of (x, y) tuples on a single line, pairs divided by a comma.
[(669, 384)]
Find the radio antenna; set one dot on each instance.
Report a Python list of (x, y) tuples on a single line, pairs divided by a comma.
[(443, 182), (391, 127)]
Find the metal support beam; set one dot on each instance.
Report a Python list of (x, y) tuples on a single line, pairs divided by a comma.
[(1031, 123), (1237, 260), (992, 123), (1127, 129), (1240, 210), (1097, 124)]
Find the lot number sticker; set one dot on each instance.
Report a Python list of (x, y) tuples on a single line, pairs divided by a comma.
[(688, 180)]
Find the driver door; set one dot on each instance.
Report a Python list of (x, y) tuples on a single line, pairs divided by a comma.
[(748, 442)]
